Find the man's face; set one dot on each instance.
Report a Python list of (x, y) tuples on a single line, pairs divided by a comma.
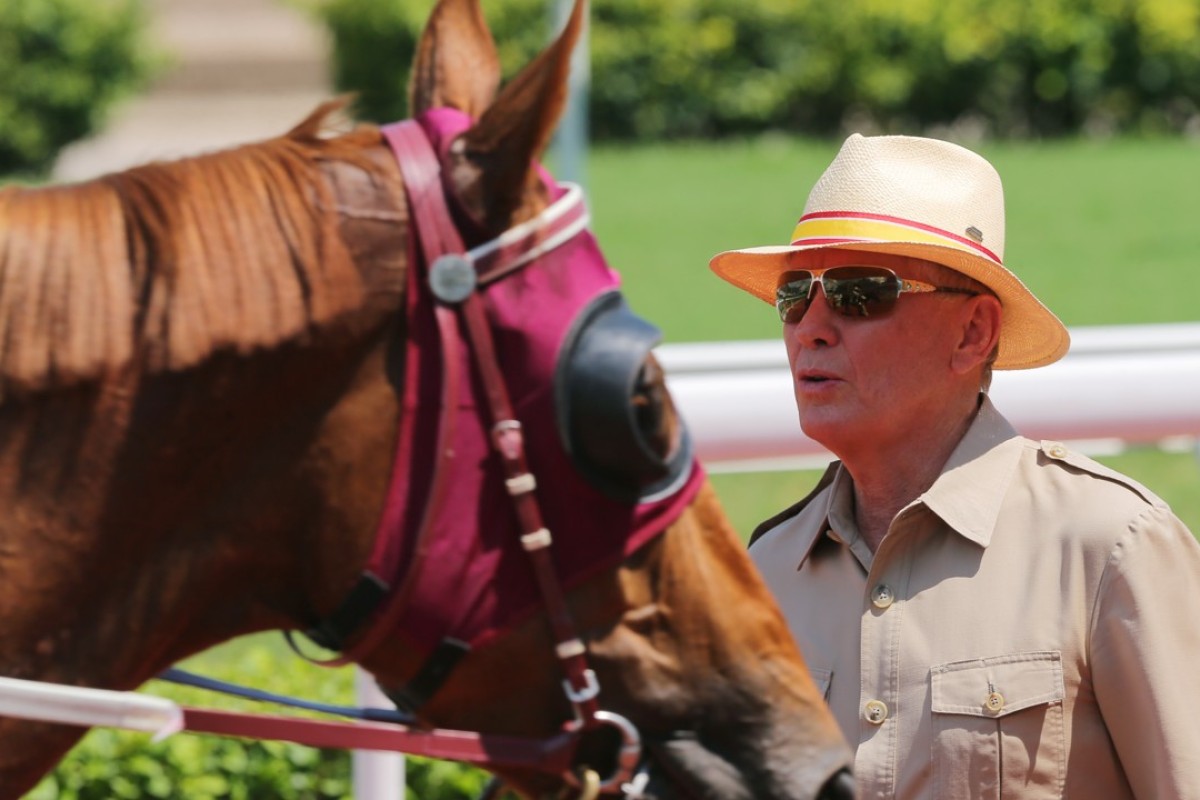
[(865, 383)]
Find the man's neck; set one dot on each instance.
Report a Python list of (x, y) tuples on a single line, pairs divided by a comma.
[(886, 479)]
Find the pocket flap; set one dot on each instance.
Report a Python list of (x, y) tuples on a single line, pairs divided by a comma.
[(994, 687)]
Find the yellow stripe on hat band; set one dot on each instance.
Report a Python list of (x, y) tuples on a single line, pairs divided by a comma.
[(829, 229)]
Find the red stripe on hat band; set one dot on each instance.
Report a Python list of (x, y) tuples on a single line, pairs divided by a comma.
[(851, 216), (831, 240)]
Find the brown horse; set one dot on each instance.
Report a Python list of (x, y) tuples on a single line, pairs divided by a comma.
[(199, 402)]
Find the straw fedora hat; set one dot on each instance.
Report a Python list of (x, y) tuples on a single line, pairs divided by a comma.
[(915, 197)]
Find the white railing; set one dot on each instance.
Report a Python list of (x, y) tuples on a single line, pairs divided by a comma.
[(377, 775), (1117, 385), (74, 705)]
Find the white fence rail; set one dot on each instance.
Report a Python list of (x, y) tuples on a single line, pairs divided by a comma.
[(1117, 385), (74, 705)]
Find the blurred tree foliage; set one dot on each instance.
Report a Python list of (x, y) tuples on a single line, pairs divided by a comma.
[(685, 68), (63, 63)]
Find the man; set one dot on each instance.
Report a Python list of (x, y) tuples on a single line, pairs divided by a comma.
[(990, 617)]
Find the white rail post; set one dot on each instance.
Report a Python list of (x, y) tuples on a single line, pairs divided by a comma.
[(570, 141), (377, 775)]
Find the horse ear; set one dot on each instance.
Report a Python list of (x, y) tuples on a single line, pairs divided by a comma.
[(456, 64), (500, 150)]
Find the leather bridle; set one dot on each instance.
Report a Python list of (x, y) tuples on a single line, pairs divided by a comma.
[(454, 275)]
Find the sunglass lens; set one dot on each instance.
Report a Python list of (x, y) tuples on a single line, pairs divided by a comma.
[(791, 296), (861, 291)]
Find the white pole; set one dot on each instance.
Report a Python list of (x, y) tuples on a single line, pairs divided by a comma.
[(73, 705), (570, 142), (377, 775)]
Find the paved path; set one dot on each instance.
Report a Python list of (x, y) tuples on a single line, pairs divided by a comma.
[(242, 70)]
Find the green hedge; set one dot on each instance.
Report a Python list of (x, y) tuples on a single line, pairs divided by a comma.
[(119, 765), (674, 68), (63, 63)]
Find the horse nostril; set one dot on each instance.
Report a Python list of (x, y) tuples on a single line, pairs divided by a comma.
[(839, 787)]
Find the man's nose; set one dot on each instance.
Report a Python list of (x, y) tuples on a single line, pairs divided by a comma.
[(819, 325)]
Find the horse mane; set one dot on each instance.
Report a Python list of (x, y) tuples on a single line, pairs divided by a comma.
[(165, 264)]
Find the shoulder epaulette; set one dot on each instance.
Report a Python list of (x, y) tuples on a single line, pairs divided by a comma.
[(1058, 452)]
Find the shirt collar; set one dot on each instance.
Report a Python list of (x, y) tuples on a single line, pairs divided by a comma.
[(968, 493), (809, 526), (829, 519), (840, 523)]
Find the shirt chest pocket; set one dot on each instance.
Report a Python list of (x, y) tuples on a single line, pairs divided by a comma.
[(998, 727)]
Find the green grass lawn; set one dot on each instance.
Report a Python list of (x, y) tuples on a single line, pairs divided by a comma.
[(1103, 232)]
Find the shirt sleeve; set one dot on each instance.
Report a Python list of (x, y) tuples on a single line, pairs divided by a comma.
[(1145, 645)]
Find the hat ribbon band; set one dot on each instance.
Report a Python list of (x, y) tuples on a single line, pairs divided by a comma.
[(835, 227)]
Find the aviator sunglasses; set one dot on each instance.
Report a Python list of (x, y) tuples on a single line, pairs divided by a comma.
[(851, 291)]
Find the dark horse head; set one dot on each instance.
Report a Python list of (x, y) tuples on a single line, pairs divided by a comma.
[(203, 379)]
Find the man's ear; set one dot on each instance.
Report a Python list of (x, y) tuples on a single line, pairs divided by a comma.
[(980, 333)]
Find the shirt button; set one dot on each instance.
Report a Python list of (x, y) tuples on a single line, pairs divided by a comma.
[(876, 711), (1056, 450), (994, 702), (882, 596)]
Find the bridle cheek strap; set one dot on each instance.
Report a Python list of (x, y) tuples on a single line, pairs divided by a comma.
[(423, 184), (373, 593), (439, 238)]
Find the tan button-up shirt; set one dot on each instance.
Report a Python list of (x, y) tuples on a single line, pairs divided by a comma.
[(1029, 628)]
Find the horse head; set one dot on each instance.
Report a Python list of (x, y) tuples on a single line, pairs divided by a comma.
[(200, 437)]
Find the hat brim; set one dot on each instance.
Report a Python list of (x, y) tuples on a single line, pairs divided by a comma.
[(1030, 334)]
